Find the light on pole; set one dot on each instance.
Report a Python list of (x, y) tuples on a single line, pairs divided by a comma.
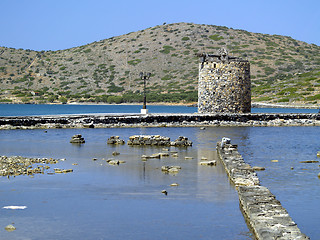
[(144, 76)]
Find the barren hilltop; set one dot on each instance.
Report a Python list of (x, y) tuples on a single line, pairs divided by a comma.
[(283, 70)]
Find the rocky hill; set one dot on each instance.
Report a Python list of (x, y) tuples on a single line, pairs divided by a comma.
[(282, 69)]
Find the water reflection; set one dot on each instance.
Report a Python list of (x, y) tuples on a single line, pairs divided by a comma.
[(127, 196), (294, 183)]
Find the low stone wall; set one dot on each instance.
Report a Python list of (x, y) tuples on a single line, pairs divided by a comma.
[(264, 214), (157, 140), (159, 120)]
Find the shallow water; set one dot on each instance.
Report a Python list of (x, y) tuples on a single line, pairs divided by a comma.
[(100, 201), (298, 189)]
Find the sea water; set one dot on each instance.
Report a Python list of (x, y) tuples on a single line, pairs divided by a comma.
[(294, 183), (58, 109), (100, 201)]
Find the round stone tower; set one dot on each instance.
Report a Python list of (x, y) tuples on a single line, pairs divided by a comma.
[(224, 84)]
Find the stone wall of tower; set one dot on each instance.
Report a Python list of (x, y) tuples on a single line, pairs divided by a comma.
[(224, 87)]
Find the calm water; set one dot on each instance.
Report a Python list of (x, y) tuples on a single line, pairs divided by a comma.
[(100, 201), (42, 109), (299, 189)]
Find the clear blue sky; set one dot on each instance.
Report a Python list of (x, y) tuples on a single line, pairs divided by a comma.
[(62, 24)]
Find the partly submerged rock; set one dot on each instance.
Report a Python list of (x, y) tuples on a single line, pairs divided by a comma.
[(77, 139), (170, 169), (115, 140), (10, 228), (209, 163), (115, 153), (174, 184), (181, 142), (113, 162), (164, 192), (309, 161), (256, 168)]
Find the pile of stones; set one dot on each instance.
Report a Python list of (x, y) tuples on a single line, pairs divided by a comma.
[(77, 139), (181, 142), (16, 165), (157, 140), (115, 140)]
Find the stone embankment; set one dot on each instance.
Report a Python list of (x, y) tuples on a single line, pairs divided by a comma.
[(263, 212), (159, 120)]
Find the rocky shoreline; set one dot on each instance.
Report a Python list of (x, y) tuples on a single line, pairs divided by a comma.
[(160, 120)]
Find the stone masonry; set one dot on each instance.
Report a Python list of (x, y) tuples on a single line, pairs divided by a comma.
[(224, 84), (264, 214)]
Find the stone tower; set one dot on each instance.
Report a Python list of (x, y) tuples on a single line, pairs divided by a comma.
[(224, 84)]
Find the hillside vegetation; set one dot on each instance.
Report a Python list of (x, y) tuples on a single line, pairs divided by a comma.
[(282, 69)]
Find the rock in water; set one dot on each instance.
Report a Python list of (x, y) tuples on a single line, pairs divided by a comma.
[(77, 139), (115, 140), (181, 142), (209, 163), (10, 228), (174, 184), (170, 169), (164, 192), (257, 168)]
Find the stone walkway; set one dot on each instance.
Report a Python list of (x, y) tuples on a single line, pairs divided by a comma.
[(159, 120), (264, 214)]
